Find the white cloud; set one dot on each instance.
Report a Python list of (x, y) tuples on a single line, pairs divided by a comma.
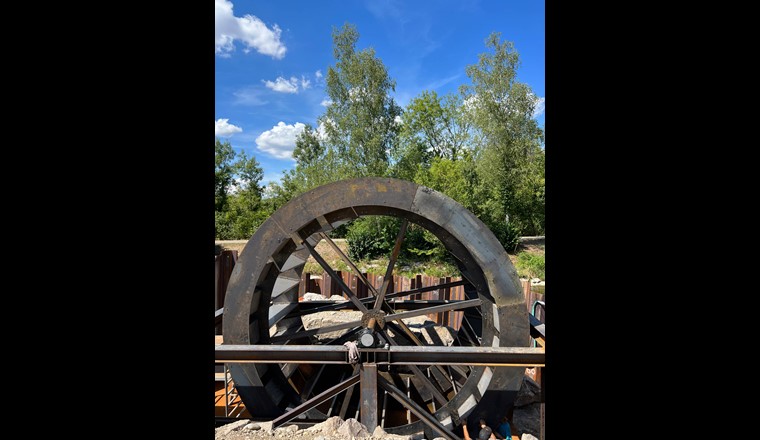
[(318, 74), (305, 83), (397, 120), (540, 106), (283, 85), (249, 96), (223, 128), (249, 29), (280, 141), (325, 102)]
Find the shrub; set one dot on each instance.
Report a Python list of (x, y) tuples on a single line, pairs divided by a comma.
[(507, 234), (371, 237)]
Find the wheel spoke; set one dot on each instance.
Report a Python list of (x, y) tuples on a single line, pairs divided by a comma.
[(435, 309), (349, 394), (423, 378), (347, 290), (426, 289), (315, 331), (412, 336), (348, 262), (316, 400), (392, 262), (345, 305), (423, 415)]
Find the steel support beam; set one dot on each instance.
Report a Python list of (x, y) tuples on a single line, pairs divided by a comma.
[(368, 402), (394, 355)]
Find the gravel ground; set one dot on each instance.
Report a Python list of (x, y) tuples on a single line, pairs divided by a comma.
[(331, 429)]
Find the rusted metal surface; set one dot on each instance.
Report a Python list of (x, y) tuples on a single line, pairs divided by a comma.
[(368, 396), (494, 307)]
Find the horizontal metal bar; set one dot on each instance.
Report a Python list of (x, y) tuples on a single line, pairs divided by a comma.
[(435, 309), (427, 289), (314, 354), (315, 331), (420, 304), (323, 306), (394, 355)]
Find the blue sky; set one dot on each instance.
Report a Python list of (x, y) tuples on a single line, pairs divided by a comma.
[(271, 58)]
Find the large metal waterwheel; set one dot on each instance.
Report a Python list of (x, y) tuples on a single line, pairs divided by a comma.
[(262, 307)]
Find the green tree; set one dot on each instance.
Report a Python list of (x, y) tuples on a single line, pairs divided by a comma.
[(357, 129), (224, 170), (510, 155), (308, 149), (437, 123), (360, 124), (238, 194), (315, 164)]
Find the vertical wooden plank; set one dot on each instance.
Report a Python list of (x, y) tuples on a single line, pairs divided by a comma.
[(526, 293), (335, 288)]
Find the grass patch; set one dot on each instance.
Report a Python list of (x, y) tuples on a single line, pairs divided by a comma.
[(531, 265)]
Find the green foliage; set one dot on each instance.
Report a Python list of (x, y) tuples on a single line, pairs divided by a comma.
[(507, 233), (360, 123), (510, 159), (453, 178), (357, 129), (530, 265), (238, 209), (371, 237), (223, 172), (421, 245)]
